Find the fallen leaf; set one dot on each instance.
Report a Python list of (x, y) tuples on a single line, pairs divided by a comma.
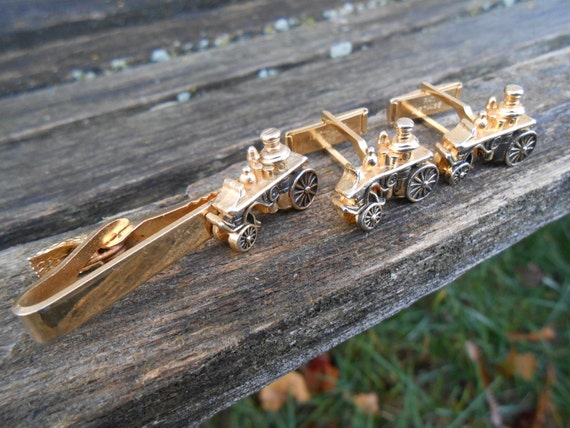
[(320, 374), (485, 379), (475, 356), (368, 403), (523, 365), (273, 396), (546, 413), (546, 333)]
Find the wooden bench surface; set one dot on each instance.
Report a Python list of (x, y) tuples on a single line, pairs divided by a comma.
[(216, 326)]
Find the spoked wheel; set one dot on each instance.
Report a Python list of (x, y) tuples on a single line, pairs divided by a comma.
[(520, 148), (422, 182), (458, 173), (369, 218), (273, 194), (304, 189), (244, 239)]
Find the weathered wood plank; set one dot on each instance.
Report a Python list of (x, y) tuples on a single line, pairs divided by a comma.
[(42, 111), (51, 63), (25, 23), (99, 168), (217, 325)]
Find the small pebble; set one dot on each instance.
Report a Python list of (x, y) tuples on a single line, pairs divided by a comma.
[(347, 9), (509, 3), (222, 40), (265, 73), (183, 97), (187, 47), (294, 22), (340, 49), (281, 25), (374, 4), (330, 14), (119, 64), (89, 75), (76, 74), (159, 55), (203, 44)]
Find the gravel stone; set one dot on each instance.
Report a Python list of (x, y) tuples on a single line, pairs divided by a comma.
[(183, 97), (159, 55), (119, 64), (281, 25), (222, 40), (340, 49), (265, 73)]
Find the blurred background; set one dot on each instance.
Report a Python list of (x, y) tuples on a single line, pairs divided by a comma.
[(492, 349)]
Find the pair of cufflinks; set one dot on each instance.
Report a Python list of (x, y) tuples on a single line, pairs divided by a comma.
[(79, 278)]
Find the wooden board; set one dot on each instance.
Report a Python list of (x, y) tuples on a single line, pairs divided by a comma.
[(98, 166), (99, 32), (218, 325)]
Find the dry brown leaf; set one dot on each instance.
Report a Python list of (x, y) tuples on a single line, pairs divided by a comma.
[(475, 356), (485, 378), (523, 365), (273, 396), (368, 403), (546, 413), (546, 333), (320, 374)]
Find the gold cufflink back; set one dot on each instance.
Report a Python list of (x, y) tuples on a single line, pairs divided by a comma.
[(397, 167), (500, 132)]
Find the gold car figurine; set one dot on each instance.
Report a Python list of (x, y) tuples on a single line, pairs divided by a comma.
[(398, 167), (274, 179), (81, 277), (501, 132)]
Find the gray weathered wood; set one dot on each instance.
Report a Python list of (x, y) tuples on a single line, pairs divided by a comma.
[(217, 325), (99, 167), (34, 22), (43, 111), (53, 61)]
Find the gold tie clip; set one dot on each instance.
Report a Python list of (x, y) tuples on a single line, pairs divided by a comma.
[(81, 277)]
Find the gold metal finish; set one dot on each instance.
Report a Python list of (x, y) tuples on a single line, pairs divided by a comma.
[(74, 287), (277, 178), (397, 167), (500, 132), (80, 277)]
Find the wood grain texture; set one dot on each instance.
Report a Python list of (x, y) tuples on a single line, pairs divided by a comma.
[(99, 167), (126, 37), (217, 325), (42, 111), (25, 23)]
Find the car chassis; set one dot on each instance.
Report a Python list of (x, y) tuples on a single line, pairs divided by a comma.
[(274, 179), (399, 167), (500, 132)]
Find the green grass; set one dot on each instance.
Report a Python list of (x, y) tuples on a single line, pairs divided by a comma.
[(417, 362)]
